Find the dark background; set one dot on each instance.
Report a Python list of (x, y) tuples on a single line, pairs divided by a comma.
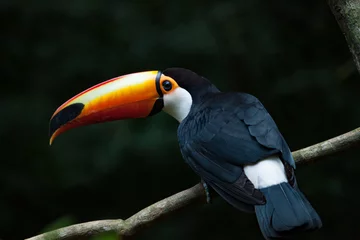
[(290, 54)]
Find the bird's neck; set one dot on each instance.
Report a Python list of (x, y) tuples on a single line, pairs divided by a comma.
[(181, 102), (201, 98), (201, 94)]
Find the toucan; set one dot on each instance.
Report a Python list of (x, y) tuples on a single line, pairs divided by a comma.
[(228, 139)]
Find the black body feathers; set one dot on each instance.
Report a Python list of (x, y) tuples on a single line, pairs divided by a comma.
[(229, 130), (224, 133)]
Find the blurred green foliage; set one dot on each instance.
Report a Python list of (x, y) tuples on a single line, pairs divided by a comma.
[(106, 236), (290, 54), (59, 223)]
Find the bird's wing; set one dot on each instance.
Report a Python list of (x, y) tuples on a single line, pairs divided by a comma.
[(228, 132)]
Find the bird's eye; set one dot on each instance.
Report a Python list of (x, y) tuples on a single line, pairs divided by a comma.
[(167, 85)]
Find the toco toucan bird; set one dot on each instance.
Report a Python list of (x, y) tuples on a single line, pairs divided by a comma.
[(228, 139)]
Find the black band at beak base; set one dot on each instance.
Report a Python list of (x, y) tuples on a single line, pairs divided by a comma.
[(157, 82)]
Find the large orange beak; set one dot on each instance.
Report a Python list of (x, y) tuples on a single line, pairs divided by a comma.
[(135, 95)]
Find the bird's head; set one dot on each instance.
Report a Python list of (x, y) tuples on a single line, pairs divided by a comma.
[(136, 95)]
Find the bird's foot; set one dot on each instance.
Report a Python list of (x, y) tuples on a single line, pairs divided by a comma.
[(207, 192)]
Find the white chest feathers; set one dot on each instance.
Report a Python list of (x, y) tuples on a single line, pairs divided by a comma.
[(265, 173), (177, 103)]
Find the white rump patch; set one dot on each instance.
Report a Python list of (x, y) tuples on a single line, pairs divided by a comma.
[(267, 172), (177, 103)]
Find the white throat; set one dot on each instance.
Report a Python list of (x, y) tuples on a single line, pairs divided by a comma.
[(177, 103)]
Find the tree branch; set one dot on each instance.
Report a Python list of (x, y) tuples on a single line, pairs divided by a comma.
[(328, 147), (185, 198), (347, 14)]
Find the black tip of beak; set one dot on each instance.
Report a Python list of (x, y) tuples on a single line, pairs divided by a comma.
[(64, 116)]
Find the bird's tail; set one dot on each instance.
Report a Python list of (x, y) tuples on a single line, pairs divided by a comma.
[(286, 212)]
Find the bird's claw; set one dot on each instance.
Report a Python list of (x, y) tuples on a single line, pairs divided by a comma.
[(207, 192)]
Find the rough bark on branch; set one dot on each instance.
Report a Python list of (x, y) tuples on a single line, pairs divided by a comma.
[(185, 198), (347, 14)]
